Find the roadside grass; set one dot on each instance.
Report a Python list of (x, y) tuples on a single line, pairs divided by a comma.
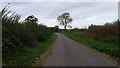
[(109, 48), (30, 54)]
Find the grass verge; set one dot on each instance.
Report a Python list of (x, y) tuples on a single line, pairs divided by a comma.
[(26, 58), (111, 49)]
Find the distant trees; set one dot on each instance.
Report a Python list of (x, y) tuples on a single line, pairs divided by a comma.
[(31, 18), (56, 27), (65, 19), (93, 26)]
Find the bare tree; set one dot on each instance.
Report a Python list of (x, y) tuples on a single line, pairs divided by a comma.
[(65, 19)]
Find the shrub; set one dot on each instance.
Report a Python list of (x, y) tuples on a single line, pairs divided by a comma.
[(17, 34)]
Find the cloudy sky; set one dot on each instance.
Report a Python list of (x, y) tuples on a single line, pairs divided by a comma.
[(83, 13)]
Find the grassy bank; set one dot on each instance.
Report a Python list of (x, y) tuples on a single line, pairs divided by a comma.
[(30, 54), (105, 47)]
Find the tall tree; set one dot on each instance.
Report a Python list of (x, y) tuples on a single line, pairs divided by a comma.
[(65, 19), (30, 22), (31, 19)]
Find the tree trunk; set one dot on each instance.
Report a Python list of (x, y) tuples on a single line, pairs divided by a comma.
[(65, 27)]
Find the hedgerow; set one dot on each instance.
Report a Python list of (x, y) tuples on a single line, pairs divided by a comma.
[(17, 35)]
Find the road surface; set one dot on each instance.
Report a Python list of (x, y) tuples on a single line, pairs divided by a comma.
[(67, 52)]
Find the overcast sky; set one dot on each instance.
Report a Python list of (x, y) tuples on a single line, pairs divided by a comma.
[(83, 13)]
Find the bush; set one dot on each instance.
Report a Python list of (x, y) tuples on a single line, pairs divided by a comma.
[(17, 35)]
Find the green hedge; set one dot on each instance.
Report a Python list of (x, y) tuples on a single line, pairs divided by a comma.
[(17, 35)]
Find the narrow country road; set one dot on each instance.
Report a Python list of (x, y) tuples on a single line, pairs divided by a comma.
[(67, 52)]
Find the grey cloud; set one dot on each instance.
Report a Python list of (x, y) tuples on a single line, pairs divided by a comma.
[(87, 12)]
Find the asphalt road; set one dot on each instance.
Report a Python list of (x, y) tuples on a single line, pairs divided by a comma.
[(67, 52)]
